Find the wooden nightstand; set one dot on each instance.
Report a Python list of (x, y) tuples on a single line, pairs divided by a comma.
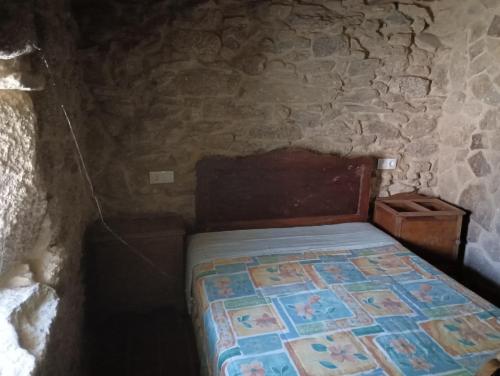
[(118, 280), (428, 226)]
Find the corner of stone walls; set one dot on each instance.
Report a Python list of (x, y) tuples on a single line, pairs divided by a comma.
[(469, 130), (44, 205)]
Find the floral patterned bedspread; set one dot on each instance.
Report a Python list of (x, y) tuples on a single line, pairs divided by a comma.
[(376, 311)]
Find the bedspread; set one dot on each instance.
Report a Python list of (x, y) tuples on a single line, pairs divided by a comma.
[(373, 311)]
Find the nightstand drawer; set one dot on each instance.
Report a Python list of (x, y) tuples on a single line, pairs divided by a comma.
[(427, 226)]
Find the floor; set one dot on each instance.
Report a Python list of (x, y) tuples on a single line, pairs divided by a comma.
[(154, 344)]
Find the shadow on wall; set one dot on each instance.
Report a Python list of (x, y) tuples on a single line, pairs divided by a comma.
[(46, 203)]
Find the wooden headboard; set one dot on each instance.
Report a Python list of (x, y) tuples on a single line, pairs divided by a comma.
[(281, 188)]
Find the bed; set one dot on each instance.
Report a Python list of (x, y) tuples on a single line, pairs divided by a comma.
[(286, 277)]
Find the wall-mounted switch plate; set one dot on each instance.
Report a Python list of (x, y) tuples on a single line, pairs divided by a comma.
[(387, 163), (161, 177)]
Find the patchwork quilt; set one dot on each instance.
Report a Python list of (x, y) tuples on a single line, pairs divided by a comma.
[(375, 311)]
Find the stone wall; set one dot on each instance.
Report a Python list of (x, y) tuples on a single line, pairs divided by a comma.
[(239, 77), (416, 80), (411, 79), (469, 130), (44, 204)]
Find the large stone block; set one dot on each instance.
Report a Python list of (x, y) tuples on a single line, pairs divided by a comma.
[(411, 86), (16, 74), (27, 315), (479, 141), (494, 29), (428, 41), (479, 164)]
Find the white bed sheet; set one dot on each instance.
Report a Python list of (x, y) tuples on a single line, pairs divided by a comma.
[(208, 246)]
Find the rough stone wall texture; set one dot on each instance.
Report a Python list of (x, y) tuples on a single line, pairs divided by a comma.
[(238, 77), (44, 204), (469, 130), (416, 80)]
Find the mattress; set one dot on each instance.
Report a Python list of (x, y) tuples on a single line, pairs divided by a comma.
[(331, 300)]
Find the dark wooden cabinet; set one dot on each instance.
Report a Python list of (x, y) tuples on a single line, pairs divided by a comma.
[(141, 269), (427, 226)]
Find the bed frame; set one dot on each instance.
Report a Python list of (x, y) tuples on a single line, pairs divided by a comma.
[(281, 188)]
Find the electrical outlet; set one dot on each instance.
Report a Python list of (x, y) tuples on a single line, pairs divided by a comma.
[(387, 163), (161, 177)]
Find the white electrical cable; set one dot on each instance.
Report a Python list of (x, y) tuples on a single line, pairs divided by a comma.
[(3, 251), (86, 176)]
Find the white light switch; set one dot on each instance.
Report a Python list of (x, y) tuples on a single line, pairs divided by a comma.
[(387, 163), (161, 177)]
